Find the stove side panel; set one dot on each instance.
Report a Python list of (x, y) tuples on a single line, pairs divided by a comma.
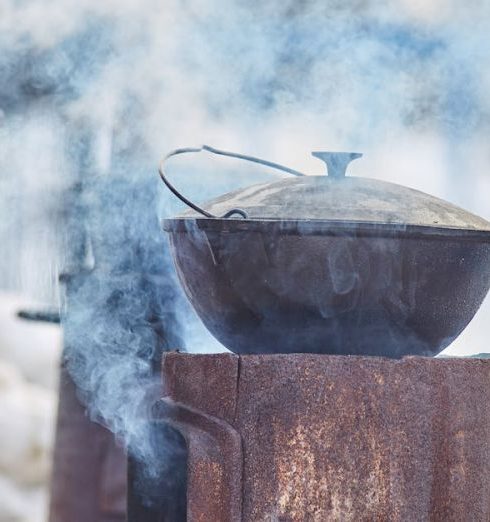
[(359, 438)]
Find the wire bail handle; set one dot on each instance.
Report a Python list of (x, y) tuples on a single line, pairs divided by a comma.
[(336, 166)]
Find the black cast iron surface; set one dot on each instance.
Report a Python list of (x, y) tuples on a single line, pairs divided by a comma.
[(333, 288)]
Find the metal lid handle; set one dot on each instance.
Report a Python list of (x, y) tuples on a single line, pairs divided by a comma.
[(336, 162)]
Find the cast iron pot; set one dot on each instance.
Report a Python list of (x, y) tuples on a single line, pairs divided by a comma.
[(330, 264)]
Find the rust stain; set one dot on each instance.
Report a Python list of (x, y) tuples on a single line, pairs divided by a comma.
[(332, 438)]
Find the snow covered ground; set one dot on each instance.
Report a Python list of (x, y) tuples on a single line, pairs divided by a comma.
[(29, 355)]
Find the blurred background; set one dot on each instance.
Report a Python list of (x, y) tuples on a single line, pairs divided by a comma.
[(92, 94)]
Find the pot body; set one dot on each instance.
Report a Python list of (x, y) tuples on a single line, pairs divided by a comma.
[(337, 291)]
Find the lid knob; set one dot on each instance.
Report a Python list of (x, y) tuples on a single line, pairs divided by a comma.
[(336, 162)]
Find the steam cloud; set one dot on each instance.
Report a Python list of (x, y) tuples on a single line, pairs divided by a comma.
[(92, 94)]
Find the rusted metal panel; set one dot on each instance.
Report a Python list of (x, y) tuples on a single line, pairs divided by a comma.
[(441, 457), (89, 470), (355, 438), (205, 382), (214, 462), (314, 436)]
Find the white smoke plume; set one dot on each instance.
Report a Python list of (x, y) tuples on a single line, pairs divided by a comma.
[(405, 82)]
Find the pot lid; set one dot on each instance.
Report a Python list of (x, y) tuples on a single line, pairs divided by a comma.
[(351, 199), (335, 197)]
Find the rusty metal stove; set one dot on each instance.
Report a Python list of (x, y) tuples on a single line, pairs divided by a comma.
[(319, 437)]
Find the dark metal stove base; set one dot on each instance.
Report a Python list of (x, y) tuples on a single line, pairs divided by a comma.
[(158, 494)]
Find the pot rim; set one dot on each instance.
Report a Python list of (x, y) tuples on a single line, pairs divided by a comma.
[(320, 227)]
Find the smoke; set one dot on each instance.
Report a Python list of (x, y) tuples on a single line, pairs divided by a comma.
[(93, 93)]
